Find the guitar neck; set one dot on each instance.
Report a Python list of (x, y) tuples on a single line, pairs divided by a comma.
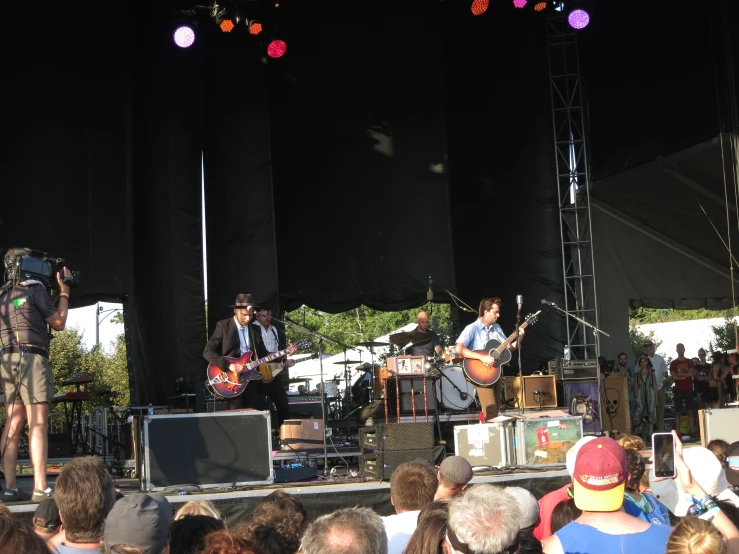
[(268, 358), (506, 343)]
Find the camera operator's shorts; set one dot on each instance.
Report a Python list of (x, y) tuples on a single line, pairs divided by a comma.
[(27, 379)]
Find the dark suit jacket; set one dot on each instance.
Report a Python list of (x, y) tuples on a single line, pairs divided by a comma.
[(225, 342)]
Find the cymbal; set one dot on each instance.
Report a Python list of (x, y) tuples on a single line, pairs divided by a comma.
[(414, 337), (299, 380), (372, 343), (348, 362)]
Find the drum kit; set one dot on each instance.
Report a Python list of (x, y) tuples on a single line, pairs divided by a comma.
[(453, 390)]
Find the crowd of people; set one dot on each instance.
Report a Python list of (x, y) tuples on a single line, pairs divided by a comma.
[(611, 504), (696, 383)]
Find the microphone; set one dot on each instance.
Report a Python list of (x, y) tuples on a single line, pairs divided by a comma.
[(541, 392), (519, 301), (547, 302), (430, 293)]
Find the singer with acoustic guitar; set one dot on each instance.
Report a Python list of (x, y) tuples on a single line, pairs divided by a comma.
[(471, 345)]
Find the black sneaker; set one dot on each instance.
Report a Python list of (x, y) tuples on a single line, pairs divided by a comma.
[(15, 495), (40, 496)]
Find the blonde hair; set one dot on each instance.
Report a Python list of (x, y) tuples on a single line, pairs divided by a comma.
[(634, 442), (199, 508), (695, 536)]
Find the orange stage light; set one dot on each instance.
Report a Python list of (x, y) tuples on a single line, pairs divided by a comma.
[(227, 25), (479, 7)]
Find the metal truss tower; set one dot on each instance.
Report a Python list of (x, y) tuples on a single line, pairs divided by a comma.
[(573, 183)]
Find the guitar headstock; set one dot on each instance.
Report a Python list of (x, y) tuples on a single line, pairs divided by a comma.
[(304, 344), (531, 318)]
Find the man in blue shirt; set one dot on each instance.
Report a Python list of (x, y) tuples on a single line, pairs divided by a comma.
[(474, 337)]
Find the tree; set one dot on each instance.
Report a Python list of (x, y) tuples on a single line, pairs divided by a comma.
[(638, 339), (364, 324), (724, 336)]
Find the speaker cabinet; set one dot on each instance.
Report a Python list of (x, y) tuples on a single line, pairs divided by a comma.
[(406, 385), (397, 436), (381, 465), (60, 445), (535, 384), (230, 448)]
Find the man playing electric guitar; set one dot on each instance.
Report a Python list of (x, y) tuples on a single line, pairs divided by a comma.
[(233, 337), (474, 337), (274, 340)]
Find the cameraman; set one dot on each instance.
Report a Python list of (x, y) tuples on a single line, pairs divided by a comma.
[(25, 373)]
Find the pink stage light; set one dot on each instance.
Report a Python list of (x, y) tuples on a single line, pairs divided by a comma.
[(479, 7), (276, 49), (184, 37), (519, 3), (578, 19)]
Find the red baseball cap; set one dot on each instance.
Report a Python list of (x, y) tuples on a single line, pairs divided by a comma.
[(600, 476)]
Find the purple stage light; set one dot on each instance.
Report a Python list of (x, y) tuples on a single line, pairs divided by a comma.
[(184, 37), (578, 19), (519, 3)]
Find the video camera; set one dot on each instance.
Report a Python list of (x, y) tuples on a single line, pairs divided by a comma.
[(22, 264)]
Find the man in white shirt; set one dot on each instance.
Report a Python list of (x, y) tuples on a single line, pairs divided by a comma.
[(412, 487), (274, 340), (661, 374)]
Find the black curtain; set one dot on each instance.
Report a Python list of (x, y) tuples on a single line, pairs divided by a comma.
[(238, 176), (166, 212), (66, 148), (503, 189), (359, 150)]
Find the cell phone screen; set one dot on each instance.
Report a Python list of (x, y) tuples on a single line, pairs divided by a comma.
[(663, 454)]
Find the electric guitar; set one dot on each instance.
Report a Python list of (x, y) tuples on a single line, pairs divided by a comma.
[(270, 370), (228, 384), (482, 375)]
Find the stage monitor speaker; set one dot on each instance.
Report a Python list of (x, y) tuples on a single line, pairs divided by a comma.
[(406, 384), (381, 464), (396, 436), (231, 448), (60, 445), (539, 387)]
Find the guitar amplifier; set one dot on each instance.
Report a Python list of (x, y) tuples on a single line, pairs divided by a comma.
[(406, 365), (305, 406), (381, 464), (579, 369), (396, 436)]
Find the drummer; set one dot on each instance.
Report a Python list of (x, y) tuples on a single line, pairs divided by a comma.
[(429, 348)]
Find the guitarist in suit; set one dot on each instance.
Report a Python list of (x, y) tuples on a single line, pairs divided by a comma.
[(233, 337), (274, 340), (474, 337)]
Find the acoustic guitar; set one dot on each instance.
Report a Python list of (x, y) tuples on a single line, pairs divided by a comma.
[(482, 375), (228, 384), (270, 370)]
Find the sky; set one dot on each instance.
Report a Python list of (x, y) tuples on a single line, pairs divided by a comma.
[(84, 320)]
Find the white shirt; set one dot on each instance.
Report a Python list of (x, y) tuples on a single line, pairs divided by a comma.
[(269, 336), (660, 368), (244, 341), (399, 529)]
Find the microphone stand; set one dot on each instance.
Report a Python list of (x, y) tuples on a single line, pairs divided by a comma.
[(521, 401), (597, 353), (320, 338), (461, 304)]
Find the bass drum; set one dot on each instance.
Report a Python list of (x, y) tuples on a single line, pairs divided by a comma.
[(450, 379)]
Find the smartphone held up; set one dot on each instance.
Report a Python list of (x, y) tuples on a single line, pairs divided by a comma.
[(663, 455)]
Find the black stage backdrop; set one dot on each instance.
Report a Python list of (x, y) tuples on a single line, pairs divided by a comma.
[(169, 316), (359, 150), (238, 176), (503, 192)]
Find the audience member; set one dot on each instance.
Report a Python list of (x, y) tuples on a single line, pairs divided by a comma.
[(702, 376), (46, 520), (224, 542), (718, 448), (275, 525), (454, 474), (682, 370), (598, 485), (695, 536), (412, 487), (346, 531), (187, 534), (430, 533), (658, 364), (732, 465), (641, 504), (138, 524), (17, 539), (527, 506), (5, 511), (550, 500), (628, 440), (84, 494), (199, 508), (484, 520), (565, 512)]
